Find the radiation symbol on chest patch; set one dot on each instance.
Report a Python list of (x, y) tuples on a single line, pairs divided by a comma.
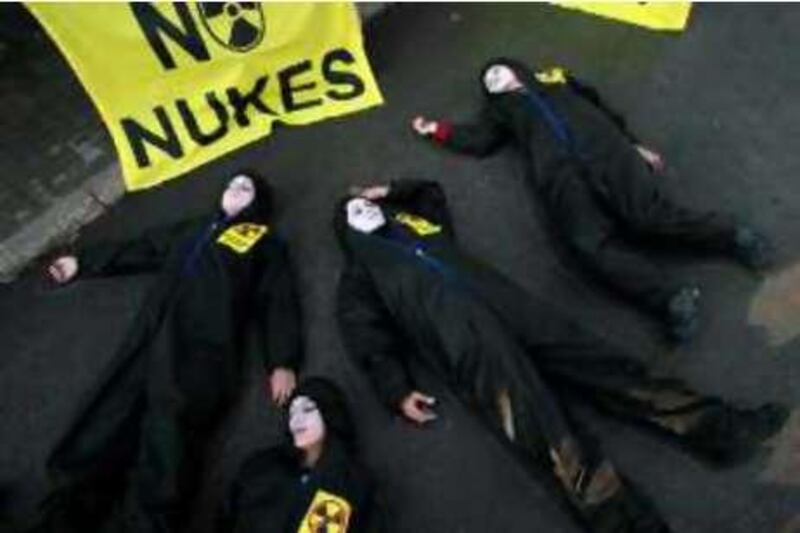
[(419, 225), (241, 237), (551, 76), (327, 513)]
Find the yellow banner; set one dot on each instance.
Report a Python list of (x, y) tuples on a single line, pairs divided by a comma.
[(653, 15), (180, 84)]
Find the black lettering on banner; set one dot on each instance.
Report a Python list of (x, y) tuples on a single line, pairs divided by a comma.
[(339, 77), (240, 102), (138, 135), (288, 91), (156, 26), (204, 139)]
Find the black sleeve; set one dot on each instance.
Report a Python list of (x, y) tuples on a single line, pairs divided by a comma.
[(377, 517), (427, 199), (374, 516), (135, 256), (262, 467), (371, 337), (589, 93), (480, 138), (225, 514), (277, 321)]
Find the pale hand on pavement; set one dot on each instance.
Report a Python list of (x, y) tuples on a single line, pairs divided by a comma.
[(652, 157), (418, 408), (282, 382), (370, 192), (63, 269), (424, 126)]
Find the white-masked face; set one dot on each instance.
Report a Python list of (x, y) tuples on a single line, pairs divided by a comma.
[(500, 79), (239, 194), (305, 423), (364, 216)]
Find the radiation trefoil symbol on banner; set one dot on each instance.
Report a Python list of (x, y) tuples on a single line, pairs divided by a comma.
[(238, 26)]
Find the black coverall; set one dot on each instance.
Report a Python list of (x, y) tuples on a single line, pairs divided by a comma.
[(597, 191), (273, 493), (409, 296), (223, 287)]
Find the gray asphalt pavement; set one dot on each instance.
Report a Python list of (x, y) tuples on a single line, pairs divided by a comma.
[(722, 104)]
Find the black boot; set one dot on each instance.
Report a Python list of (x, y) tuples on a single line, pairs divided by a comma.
[(73, 509), (605, 502), (683, 314), (727, 436), (752, 249), (626, 512)]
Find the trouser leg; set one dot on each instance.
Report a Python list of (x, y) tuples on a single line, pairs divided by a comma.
[(167, 474), (87, 467), (602, 500), (623, 387), (530, 416), (650, 213), (706, 426), (596, 242), (175, 437)]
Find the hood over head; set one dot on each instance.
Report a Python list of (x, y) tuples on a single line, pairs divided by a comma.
[(332, 405), (340, 225), (261, 208), (525, 73)]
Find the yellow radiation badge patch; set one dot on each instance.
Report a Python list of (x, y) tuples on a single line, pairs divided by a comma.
[(551, 76), (418, 224), (327, 513), (241, 237)]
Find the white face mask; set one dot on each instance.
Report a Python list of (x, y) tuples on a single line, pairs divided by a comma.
[(239, 194), (500, 79), (305, 423), (364, 216)]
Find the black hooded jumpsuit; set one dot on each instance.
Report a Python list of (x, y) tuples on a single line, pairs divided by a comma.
[(597, 191), (224, 287), (409, 296), (274, 493)]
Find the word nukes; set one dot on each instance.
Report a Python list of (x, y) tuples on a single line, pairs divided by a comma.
[(300, 86)]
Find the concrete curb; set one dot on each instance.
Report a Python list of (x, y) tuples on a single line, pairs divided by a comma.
[(62, 221)]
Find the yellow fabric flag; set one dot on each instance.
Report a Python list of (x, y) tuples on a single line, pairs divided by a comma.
[(653, 15), (180, 84)]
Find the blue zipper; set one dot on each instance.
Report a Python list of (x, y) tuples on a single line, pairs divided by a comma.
[(197, 247), (419, 251), (555, 121)]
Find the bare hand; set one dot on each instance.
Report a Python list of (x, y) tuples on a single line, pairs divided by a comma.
[(282, 382), (63, 269), (418, 408), (372, 192), (424, 126), (653, 158)]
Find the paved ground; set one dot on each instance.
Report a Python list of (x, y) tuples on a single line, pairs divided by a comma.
[(58, 161), (720, 102)]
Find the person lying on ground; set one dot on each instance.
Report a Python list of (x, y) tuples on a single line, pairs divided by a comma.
[(594, 180), (316, 483), (223, 289), (410, 297)]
